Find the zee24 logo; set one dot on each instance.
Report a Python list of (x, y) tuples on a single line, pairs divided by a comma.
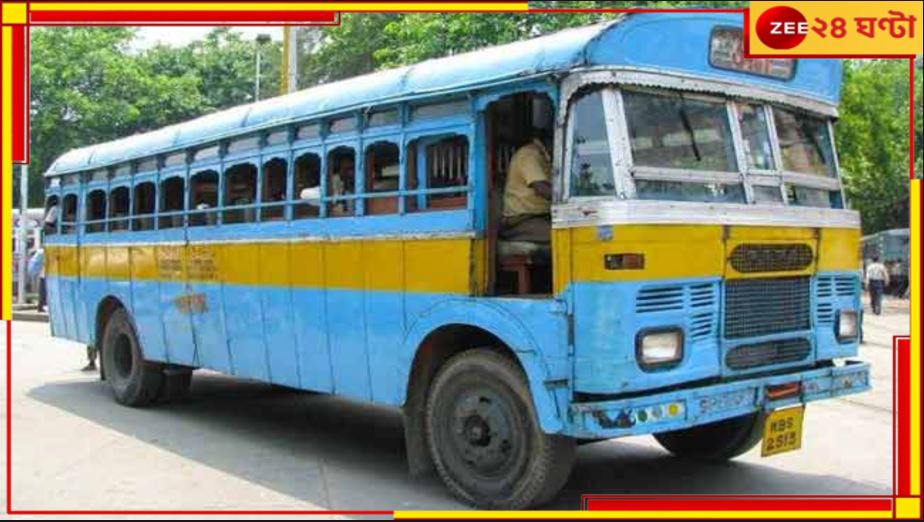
[(784, 27)]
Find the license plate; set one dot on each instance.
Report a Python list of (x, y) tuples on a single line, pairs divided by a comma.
[(782, 431)]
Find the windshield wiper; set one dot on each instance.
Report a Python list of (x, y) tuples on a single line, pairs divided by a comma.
[(685, 120)]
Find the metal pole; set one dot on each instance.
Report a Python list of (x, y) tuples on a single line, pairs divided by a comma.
[(256, 88), (22, 236), (291, 57)]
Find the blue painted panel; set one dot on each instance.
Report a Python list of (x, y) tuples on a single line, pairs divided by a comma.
[(607, 320), (279, 336), (244, 331), (92, 291), (146, 313), (309, 318), (348, 357), (53, 298), (385, 330), (181, 347), (209, 328), (834, 292)]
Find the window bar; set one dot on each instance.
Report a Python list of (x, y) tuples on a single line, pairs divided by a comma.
[(734, 124), (777, 152)]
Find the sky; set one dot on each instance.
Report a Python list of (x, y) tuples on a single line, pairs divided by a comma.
[(180, 35)]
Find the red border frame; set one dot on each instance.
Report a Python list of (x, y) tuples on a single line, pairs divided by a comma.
[(901, 345)]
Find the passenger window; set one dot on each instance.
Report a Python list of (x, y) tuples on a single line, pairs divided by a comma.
[(171, 202), (95, 215), (119, 205), (173, 160), (244, 145), (382, 167), (274, 190), (50, 217), (343, 124), (307, 191), (69, 214), (240, 191), (341, 180), (381, 118), (440, 164), (147, 165), (144, 206), (203, 198)]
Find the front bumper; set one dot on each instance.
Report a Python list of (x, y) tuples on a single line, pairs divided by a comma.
[(685, 408)]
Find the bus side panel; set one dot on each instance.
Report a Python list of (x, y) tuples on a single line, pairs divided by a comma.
[(309, 316), (383, 263), (118, 271), (145, 289), (181, 347), (242, 311), (207, 294), (93, 288), (53, 291), (343, 274), (278, 324), (68, 268)]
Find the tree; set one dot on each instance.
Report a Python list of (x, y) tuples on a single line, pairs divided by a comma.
[(872, 141)]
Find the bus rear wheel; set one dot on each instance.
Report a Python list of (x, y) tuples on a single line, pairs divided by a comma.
[(717, 441), (484, 438), (134, 381)]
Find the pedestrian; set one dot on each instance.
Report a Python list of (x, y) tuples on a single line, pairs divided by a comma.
[(91, 359), (37, 271), (877, 278)]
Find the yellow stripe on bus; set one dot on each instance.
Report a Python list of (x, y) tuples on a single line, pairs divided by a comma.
[(428, 265)]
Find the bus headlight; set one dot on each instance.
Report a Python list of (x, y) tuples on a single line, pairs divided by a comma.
[(846, 325), (659, 348)]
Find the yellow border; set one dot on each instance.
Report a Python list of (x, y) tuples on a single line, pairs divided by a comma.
[(6, 157)]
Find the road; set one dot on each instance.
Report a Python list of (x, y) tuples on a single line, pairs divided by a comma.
[(243, 445)]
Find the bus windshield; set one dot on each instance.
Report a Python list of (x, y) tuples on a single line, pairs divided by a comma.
[(698, 148)]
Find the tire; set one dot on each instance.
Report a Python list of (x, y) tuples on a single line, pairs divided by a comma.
[(484, 438), (134, 381), (175, 385), (717, 441)]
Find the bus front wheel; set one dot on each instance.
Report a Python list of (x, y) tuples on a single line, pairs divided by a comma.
[(483, 435), (134, 381), (717, 441)]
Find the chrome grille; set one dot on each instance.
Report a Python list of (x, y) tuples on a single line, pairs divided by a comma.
[(755, 307), (772, 352)]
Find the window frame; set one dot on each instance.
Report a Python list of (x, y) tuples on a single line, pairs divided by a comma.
[(626, 172)]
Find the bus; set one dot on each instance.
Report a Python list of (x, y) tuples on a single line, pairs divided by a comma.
[(700, 282)]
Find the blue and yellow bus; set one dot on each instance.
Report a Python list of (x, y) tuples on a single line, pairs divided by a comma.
[(701, 283)]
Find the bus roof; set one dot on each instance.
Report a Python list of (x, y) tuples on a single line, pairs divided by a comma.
[(650, 41)]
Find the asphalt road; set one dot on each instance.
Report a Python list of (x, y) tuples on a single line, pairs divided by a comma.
[(243, 445)]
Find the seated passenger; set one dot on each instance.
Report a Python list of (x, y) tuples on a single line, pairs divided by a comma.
[(528, 195)]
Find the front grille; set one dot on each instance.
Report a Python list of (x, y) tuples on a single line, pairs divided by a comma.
[(756, 307), (767, 353), (698, 301), (771, 257)]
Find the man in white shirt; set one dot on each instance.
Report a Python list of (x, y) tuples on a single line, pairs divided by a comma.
[(877, 278)]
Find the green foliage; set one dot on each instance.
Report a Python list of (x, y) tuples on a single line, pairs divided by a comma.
[(88, 86), (872, 140)]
